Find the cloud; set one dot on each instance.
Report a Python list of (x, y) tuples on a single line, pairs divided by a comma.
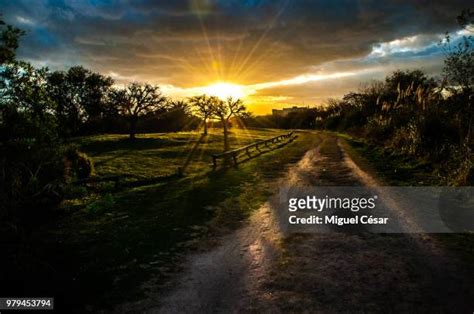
[(283, 44), (414, 44), (305, 78), (25, 21)]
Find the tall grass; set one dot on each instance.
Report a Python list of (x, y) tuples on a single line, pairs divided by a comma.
[(414, 115)]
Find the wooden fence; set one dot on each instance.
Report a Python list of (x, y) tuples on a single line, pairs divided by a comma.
[(234, 154)]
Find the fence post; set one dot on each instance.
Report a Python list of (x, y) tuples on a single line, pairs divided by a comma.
[(214, 161), (234, 157)]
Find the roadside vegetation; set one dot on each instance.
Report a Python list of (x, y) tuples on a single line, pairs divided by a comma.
[(409, 121), (393, 167)]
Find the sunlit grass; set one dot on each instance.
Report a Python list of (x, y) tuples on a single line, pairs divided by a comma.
[(160, 154)]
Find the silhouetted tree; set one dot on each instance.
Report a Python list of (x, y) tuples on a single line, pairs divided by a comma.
[(177, 117), (9, 37), (80, 97), (137, 100), (224, 111), (94, 99), (459, 62), (203, 107), (180, 105), (25, 89)]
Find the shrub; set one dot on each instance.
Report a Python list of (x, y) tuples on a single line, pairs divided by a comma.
[(406, 139), (31, 178), (77, 164), (353, 119), (378, 129)]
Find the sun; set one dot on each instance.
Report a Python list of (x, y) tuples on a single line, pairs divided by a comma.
[(225, 90)]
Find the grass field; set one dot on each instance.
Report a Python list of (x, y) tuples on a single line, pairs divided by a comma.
[(116, 236), (153, 155)]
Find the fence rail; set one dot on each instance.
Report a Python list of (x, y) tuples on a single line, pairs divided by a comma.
[(234, 154)]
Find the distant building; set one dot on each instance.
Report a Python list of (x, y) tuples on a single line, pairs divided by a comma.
[(285, 111)]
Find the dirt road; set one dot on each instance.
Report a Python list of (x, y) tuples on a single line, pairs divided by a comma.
[(259, 269)]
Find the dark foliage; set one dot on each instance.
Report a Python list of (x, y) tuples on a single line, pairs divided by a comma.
[(9, 37), (136, 101), (77, 165), (413, 114), (293, 120), (80, 100)]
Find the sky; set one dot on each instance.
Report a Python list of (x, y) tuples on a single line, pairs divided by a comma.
[(271, 53)]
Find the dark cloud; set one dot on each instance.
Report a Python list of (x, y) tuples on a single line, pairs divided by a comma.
[(188, 43)]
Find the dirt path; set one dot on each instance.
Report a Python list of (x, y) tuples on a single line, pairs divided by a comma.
[(259, 269)]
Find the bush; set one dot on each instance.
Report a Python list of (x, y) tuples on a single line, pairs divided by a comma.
[(353, 119), (332, 123), (378, 129), (31, 178), (459, 168), (77, 164), (406, 139)]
